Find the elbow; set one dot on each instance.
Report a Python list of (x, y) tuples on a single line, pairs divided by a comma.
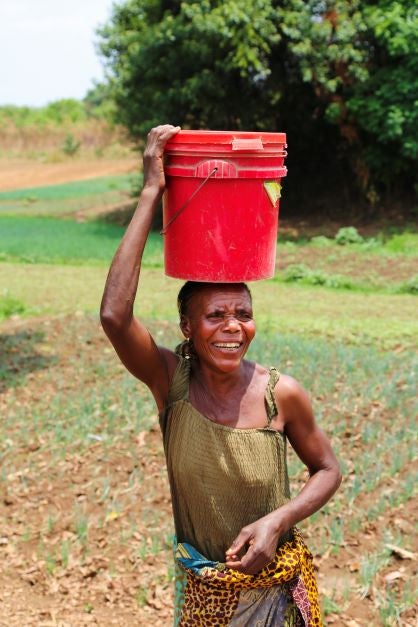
[(108, 321), (112, 322), (332, 472)]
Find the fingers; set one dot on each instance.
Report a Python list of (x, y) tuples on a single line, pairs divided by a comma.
[(162, 133), (251, 563), (156, 141), (153, 155), (243, 538), (259, 541), (162, 128), (257, 553)]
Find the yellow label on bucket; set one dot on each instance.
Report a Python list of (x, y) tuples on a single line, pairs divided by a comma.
[(273, 189)]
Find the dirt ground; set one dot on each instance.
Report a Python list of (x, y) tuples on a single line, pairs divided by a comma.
[(116, 569), (84, 535), (20, 174)]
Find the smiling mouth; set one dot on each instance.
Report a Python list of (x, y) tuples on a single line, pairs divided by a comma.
[(229, 346)]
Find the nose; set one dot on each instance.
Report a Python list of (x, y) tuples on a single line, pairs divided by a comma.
[(231, 324)]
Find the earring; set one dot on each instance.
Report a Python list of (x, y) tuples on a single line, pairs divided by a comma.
[(187, 348)]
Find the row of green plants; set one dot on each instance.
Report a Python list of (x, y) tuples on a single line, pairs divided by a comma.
[(300, 273), (89, 240), (51, 240), (364, 399), (64, 191)]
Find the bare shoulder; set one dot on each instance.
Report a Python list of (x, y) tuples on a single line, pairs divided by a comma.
[(292, 399), (288, 388)]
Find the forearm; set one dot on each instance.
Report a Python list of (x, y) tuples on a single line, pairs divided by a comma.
[(259, 539), (122, 280), (316, 492)]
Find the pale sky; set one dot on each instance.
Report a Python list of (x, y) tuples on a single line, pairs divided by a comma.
[(47, 49)]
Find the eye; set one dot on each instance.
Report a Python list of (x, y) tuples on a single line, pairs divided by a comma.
[(215, 315), (244, 315)]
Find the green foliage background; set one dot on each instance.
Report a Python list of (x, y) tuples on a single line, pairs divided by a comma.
[(339, 77)]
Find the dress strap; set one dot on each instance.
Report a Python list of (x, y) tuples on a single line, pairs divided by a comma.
[(270, 400), (179, 388)]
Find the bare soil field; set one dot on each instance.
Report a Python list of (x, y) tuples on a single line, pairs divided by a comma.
[(21, 174), (85, 526)]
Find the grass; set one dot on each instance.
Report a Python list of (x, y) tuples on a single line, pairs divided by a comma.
[(402, 244), (370, 566), (72, 190), (70, 409), (300, 273), (66, 198), (50, 240), (10, 306), (55, 241), (89, 403), (357, 318), (47, 239), (384, 243)]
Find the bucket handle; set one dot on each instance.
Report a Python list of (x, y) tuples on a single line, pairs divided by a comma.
[(183, 207)]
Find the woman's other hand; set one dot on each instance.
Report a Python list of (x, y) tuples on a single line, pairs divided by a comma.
[(259, 540), (153, 156)]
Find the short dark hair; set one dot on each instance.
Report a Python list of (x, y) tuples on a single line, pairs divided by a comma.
[(190, 288)]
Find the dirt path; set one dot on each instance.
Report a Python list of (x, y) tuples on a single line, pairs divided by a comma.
[(23, 174)]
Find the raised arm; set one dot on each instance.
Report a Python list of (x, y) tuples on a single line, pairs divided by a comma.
[(131, 340)]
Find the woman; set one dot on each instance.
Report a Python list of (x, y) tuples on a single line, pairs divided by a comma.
[(225, 422)]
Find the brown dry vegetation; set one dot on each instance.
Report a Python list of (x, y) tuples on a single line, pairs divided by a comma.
[(94, 134)]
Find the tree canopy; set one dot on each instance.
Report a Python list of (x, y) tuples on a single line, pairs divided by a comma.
[(339, 77)]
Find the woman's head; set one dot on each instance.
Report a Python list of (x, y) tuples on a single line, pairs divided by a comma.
[(192, 288), (217, 318)]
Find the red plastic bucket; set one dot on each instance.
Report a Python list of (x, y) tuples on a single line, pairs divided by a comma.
[(221, 205)]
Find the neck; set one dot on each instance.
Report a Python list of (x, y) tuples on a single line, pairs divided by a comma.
[(220, 383), (219, 395)]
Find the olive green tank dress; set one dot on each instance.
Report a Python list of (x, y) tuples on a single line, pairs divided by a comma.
[(221, 478)]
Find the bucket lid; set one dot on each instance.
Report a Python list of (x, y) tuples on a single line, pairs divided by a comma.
[(233, 141)]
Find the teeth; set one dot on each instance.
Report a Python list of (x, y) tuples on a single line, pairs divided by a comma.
[(228, 345)]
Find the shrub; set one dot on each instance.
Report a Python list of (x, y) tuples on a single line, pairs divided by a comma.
[(10, 306), (301, 273), (296, 272), (321, 241), (70, 145), (348, 235), (403, 243), (409, 287)]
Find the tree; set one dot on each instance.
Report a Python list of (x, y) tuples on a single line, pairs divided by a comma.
[(385, 106), (320, 70)]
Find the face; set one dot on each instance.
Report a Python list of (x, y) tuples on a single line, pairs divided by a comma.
[(220, 323)]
